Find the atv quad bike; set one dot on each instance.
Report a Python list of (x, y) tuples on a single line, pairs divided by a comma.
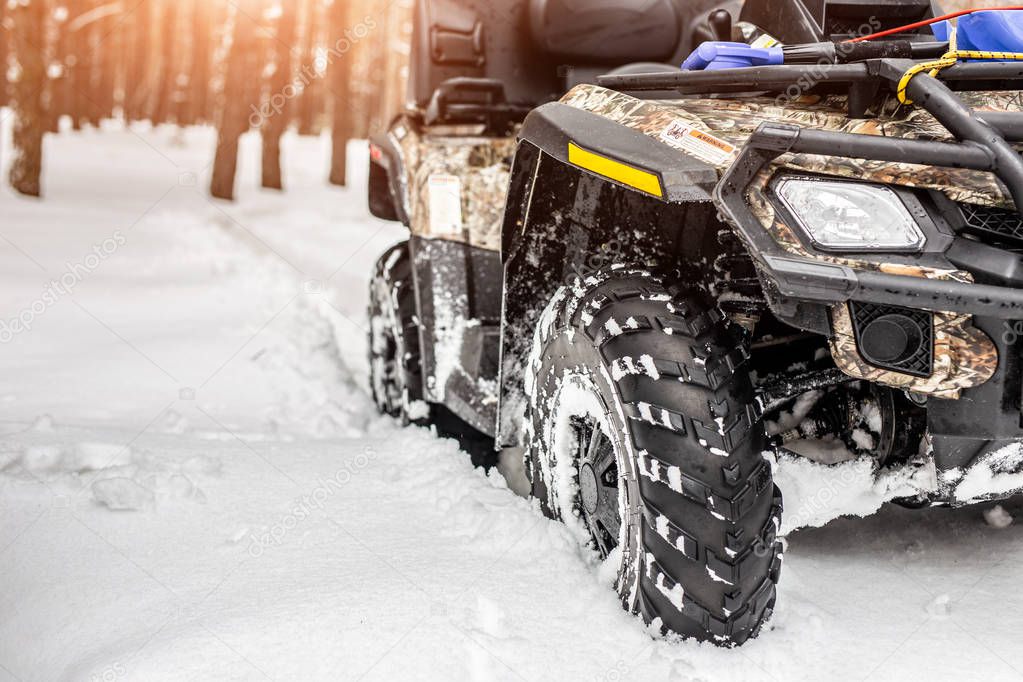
[(645, 278)]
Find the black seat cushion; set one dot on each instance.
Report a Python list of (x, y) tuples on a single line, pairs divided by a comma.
[(606, 31)]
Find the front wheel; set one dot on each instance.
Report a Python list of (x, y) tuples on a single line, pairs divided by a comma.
[(644, 437)]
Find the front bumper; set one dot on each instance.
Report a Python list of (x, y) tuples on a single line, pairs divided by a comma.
[(974, 390), (806, 279), (796, 277)]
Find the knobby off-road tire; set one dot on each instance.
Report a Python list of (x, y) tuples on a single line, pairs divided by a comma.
[(396, 376), (640, 399)]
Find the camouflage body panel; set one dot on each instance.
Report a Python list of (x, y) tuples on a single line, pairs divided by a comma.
[(735, 120), (483, 168), (964, 356)]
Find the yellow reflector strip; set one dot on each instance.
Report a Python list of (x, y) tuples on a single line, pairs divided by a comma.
[(642, 180)]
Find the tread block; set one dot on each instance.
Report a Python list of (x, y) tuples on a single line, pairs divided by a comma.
[(671, 533), (735, 508), (726, 435), (659, 471), (656, 416)]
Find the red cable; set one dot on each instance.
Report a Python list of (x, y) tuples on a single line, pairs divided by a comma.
[(921, 24)]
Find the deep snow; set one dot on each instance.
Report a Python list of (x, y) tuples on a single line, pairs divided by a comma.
[(193, 484)]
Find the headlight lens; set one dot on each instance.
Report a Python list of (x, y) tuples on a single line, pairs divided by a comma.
[(848, 216)]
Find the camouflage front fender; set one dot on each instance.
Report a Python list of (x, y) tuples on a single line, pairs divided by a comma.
[(610, 150)]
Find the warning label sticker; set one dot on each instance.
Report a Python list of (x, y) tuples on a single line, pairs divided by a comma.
[(445, 195), (702, 145)]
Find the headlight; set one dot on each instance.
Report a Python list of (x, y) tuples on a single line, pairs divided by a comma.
[(848, 216)]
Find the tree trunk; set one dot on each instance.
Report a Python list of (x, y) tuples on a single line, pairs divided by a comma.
[(276, 109), (89, 98), (137, 79), (108, 37), (307, 103), (341, 94), (29, 28), (234, 111), (396, 39), (4, 51), (78, 65), (165, 71), (199, 78), (376, 79), (58, 84)]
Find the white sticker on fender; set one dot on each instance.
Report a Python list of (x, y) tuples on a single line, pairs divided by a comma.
[(698, 143), (445, 193)]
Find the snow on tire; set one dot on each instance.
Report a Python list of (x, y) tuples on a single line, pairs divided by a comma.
[(640, 403), (394, 359)]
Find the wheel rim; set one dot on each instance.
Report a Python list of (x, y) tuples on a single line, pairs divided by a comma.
[(598, 501)]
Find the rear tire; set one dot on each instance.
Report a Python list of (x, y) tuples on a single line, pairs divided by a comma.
[(661, 377), (396, 373), (396, 377)]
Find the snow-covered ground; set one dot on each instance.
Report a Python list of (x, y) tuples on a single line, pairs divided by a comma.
[(193, 484)]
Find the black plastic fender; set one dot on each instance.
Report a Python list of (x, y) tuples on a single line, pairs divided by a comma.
[(563, 222), (387, 192)]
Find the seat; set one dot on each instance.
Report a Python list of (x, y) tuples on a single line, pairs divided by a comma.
[(606, 32), (508, 56)]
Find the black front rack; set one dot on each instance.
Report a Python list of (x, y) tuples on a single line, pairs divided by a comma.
[(963, 76)]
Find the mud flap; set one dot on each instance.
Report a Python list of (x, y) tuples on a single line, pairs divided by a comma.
[(458, 289)]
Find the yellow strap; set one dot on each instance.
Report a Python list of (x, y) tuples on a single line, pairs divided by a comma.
[(948, 59)]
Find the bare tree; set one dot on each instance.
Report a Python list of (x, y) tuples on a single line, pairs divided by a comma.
[(29, 17), (397, 39), (202, 40), (341, 91), (59, 99), (166, 72), (5, 31), (137, 80), (78, 76), (310, 101), (88, 93), (234, 110), (277, 107), (105, 48)]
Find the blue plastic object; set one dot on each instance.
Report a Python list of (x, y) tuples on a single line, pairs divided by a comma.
[(940, 30), (715, 55), (996, 31)]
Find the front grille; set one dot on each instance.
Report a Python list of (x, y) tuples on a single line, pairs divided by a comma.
[(990, 222), (921, 361)]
